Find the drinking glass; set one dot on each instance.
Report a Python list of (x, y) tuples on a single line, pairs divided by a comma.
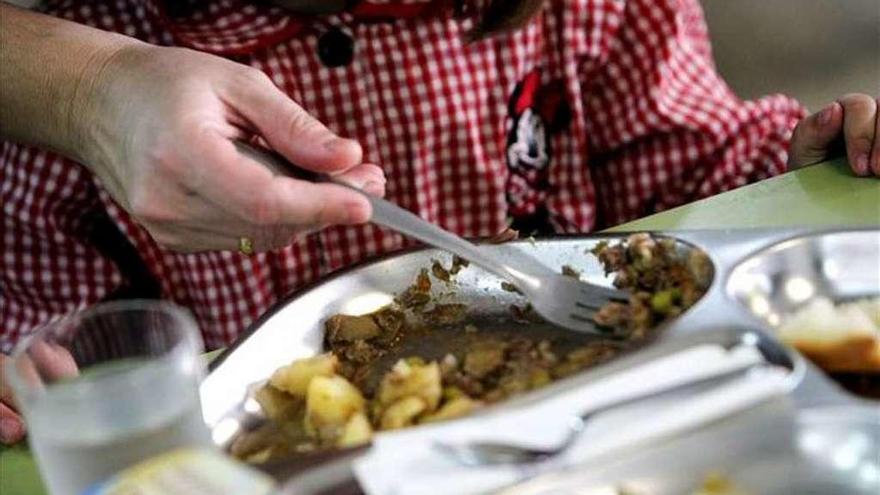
[(107, 387)]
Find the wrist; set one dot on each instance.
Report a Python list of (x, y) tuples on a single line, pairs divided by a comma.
[(91, 115)]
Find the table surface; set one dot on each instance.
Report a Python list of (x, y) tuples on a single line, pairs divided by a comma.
[(823, 195)]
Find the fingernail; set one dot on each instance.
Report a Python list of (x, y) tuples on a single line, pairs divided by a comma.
[(862, 164), (825, 115)]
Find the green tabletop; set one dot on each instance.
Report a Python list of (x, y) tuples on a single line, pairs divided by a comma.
[(822, 195)]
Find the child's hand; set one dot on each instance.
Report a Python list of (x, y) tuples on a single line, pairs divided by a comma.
[(45, 362), (11, 424), (856, 119)]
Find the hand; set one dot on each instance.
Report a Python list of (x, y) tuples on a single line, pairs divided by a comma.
[(856, 119), (11, 424), (160, 139), (44, 362)]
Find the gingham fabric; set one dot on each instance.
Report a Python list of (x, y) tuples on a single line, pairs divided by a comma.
[(649, 126)]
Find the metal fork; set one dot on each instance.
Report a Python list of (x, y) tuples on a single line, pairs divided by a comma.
[(489, 453), (564, 301)]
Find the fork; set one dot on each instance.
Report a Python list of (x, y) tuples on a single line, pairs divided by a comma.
[(561, 300)]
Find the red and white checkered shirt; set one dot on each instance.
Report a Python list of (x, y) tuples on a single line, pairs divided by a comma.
[(596, 112)]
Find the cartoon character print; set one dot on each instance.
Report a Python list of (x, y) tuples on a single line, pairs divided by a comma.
[(536, 112)]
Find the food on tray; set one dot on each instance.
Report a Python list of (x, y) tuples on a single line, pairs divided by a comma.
[(369, 379), (838, 338), (295, 379), (662, 282)]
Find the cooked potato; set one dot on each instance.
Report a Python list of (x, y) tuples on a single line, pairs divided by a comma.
[(402, 413), (454, 408), (356, 431), (330, 403), (411, 379), (295, 377), (484, 358)]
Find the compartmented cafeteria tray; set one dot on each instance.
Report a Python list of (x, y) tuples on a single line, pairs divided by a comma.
[(758, 278)]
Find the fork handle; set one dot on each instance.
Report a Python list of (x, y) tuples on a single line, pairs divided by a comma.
[(389, 215)]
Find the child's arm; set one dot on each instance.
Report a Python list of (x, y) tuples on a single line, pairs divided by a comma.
[(664, 128)]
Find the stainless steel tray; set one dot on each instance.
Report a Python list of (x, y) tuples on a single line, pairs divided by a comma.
[(293, 328), (767, 451)]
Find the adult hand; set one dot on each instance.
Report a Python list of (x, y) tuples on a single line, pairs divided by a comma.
[(855, 120), (161, 126)]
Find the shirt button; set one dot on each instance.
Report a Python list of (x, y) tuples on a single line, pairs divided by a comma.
[(335, 48)]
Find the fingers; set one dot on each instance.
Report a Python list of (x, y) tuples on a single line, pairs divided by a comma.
[(875, 150), (226, 196), (52, 361), (11, 425), (5, 389), (248, 189), (367, 177), (859, 131), (289, 129), (814, 135)]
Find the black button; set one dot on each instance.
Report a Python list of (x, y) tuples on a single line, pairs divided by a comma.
[(335, 48)]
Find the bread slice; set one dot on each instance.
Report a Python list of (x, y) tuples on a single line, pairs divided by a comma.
[(842, 338)]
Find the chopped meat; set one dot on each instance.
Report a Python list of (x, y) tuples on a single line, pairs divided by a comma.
[(568, 271), (662, 281), (345, 328), (439, 272), (524, 314), (509, 287), (446, 314), (612, 315), (457, 264), (418, 294), (391, 322)]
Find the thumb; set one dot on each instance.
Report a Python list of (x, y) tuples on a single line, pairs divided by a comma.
[(291, 131), (814, 136)]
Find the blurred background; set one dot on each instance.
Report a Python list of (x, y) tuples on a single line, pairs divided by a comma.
[(814, 50)]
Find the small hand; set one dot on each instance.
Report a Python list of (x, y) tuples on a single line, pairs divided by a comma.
[(855, 119), (11, 424), (44, 361)]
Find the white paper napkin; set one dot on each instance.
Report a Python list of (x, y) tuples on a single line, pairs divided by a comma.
[(408, 463)]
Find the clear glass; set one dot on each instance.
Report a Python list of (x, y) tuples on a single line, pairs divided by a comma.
[(107, 387)]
